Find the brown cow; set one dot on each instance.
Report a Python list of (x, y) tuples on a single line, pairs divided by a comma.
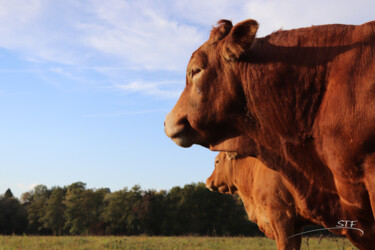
[(301, 101), (268, 198)]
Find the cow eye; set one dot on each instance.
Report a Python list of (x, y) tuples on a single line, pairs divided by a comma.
[(195, 72)]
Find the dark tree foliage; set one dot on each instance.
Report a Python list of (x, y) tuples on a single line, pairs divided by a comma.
[(8, 194), (13, 217), (76, 210), (151, 212), (36, 205), (84, 209), (121, 214), (54, 218), (196, 210)]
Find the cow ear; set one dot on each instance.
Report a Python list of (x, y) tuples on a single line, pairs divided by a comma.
[(231, 155), (240, 39)]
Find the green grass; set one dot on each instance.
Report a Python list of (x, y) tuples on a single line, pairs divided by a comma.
[(143, 242)]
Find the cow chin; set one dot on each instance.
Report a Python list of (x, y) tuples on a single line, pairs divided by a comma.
[(182, 141)]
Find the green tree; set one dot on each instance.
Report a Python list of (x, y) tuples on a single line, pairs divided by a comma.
[(151, 212), (174, 221), (74, 213), (8, 193), (120, 213), (84, 208), (26, 198), (194, 209), (96, 205), (36, 205), (54, 217), (13, 217), (75, 210)]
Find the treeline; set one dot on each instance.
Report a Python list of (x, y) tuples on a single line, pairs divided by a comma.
[(76, 210)]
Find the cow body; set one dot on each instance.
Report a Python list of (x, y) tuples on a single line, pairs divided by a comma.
[(301, 101), (269, 200)]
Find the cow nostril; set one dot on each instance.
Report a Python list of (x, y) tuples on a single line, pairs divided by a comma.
[(183, 121), (210, 185), (173, 125), (232, 190)]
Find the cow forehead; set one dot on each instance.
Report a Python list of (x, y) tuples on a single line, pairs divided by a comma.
[(200, 56), (199, 59), (220, 156)]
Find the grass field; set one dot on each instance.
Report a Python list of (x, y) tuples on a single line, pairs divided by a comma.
[(143, 242)]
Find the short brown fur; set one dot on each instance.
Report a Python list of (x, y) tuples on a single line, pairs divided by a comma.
[(270, 201), (301, 101)]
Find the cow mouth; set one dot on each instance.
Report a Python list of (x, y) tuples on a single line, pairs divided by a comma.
[(182, 140), (188, 136), (223, 189), (182, 133), (178, 131)]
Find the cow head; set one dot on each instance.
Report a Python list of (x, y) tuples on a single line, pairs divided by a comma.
[(211, 109), (221, 179)]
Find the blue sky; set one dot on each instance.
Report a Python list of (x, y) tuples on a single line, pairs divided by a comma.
[(85, 85)]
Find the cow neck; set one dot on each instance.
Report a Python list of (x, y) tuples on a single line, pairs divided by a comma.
[(243, 176), (312, 188), (281, 109)]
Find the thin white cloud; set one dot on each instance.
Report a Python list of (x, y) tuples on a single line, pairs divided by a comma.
[(144, 35), (152, 88), (273, 15), (133, 33), (15, 16), (14, 94), (74, 74), (140, 34), (123, 113), (20, 70), (26, 187), (149, 34), (39, 30)]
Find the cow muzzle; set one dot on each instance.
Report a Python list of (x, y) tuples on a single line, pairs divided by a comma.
[(210, 185), (217, 188), (177, 130)]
